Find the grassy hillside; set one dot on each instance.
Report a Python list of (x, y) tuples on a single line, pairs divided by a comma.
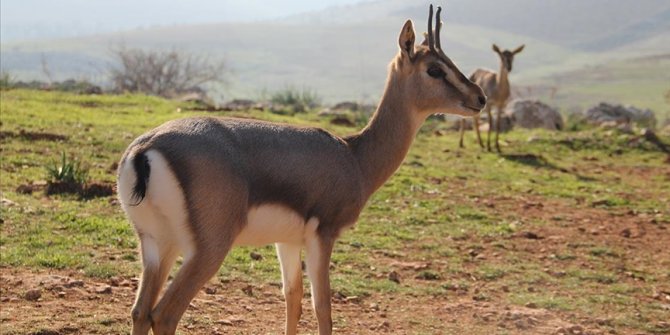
[(342, 52), (562, 231), (641, 82)]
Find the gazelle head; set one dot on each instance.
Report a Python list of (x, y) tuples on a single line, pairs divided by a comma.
[(431, 78), (506, 56)]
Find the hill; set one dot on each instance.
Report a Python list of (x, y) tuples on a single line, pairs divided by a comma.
[(342, 52)]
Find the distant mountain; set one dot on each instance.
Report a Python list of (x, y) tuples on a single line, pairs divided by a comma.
[(39, 19), (342, 52)]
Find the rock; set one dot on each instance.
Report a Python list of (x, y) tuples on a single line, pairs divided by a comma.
[(25, 189), (394, 277), (342, 120), (605, 113), (243, 104), (105, 289), (345, 107), (74, 283), (530, 235), (210, 290), (506, 123), (531, 305), (33, 295), (248, 290), (255, 256), (534, 114)]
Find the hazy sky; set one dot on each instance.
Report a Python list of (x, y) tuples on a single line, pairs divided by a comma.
[(27, 19)]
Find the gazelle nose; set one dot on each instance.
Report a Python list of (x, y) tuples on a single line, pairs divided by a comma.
[(482, 100)]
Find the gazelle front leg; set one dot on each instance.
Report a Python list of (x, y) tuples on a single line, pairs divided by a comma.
[(462, 131), (488, 133), (498, 127), (291, 274), (318, 255), (475, 120)]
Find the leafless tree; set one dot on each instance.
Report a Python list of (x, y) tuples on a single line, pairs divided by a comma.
[(163, 73)]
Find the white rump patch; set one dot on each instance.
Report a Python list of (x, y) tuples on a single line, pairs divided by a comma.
[(274, 223), (161, 218)]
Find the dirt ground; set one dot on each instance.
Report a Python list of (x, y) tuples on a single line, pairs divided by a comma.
[(66, 302)]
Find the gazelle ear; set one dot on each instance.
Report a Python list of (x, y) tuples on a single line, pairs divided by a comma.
[(496, 49), (517, 50), (406, 40)]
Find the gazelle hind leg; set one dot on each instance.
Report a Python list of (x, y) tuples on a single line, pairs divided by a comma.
[(157, 260), (318, 252), (291, 273), (462, 132), (498, 112), (190, 278)]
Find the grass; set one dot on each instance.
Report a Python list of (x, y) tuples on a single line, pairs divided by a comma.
[(458, 211)]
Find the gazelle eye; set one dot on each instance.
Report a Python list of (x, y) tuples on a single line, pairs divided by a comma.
[(435, 72)]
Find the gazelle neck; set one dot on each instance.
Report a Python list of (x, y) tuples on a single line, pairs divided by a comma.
[(383, 144), (503, 82)]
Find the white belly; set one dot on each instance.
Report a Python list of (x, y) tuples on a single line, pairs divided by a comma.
[(273, 223)]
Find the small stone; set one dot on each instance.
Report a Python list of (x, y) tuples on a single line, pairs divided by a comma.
[(576, 330), (210, 290), (114, 281), (74, 283), (255, 256), (33, 295), (248, 290), (384, 325), (394, 277), (106, 289), (604, 322), (626, 233), (531, 305), (61, 294)]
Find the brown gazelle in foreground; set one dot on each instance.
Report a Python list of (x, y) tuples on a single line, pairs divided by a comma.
[(497, 89), (197, 187)]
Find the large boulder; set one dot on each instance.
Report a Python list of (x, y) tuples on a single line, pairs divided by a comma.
[(534, 114), (605, 113)]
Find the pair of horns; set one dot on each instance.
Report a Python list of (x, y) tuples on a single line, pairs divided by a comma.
[(434, 41)]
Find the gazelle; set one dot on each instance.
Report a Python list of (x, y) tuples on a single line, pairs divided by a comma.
[(199, 186), (497, 89)]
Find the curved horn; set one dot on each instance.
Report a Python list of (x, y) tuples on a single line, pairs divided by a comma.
[(438, 27), (431, 40)]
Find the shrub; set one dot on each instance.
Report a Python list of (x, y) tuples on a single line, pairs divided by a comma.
[(163, 73), (298, 100), (67, 171), (6, 81)]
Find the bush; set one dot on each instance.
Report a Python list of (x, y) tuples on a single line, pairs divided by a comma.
[(6, 81), (298, 100), (163, 73)]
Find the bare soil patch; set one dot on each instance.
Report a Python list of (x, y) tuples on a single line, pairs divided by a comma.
[(32, 136), (69, 303)]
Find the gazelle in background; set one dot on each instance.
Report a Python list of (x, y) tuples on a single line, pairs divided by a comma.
[(497, 89), (197, 187)]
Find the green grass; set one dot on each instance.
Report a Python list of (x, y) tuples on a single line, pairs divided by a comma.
[(433, 210)]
